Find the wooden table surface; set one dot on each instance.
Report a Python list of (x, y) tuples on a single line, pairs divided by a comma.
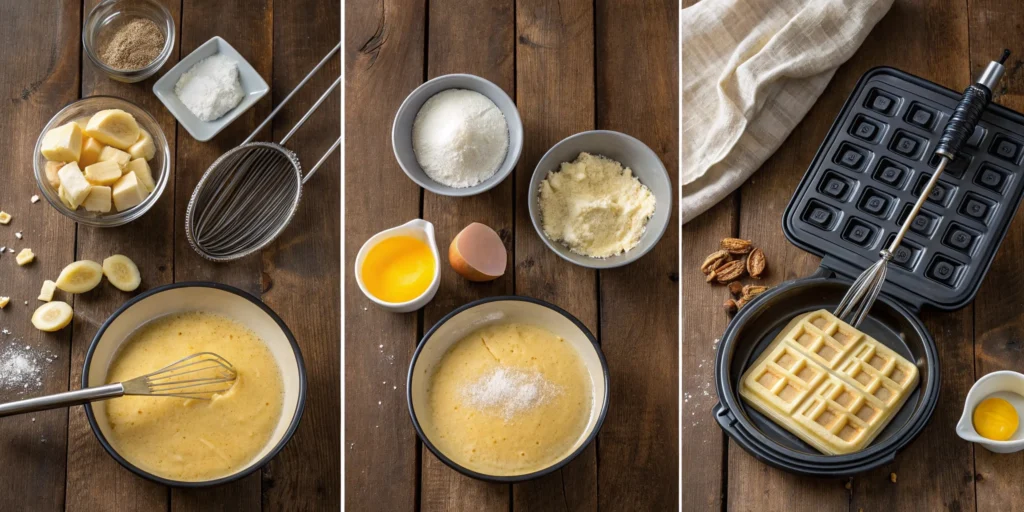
[(51, 460), (571, 66), (949, 42)]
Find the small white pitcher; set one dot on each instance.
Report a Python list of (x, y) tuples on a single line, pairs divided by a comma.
[(1006, 385), (416, 228)]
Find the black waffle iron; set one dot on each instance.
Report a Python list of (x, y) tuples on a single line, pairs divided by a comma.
[(865, 178)]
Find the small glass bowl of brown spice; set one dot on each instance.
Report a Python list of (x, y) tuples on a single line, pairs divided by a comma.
[(129, 40)]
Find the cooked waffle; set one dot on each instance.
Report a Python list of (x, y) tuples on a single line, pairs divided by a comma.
[(829, 384)]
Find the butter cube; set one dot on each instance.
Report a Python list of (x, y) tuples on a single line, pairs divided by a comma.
[(62, 144), (104, 172), (91, 151), (75, 186), (4, 301), (5, 218), (64, 198), (110, 153), (143, 148), (51, 173), (46, 293), (25, 257), (128, 192), (142, 172), (82, 122), (99, 200)]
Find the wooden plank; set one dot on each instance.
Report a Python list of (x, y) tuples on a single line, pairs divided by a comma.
[(936, 471), (999, 321), (704, 321), (93, 477), (554, 55), (41, 63), (302, 267), (467, 36), (639, 312), (251, 33), (384, 52)]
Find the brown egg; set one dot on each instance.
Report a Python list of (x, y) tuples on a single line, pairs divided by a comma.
[(478, 254)]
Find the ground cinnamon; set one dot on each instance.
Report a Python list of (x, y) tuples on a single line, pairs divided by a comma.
[(133, 45)]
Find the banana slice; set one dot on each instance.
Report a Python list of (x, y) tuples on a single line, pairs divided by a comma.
[(122, 272), (144, 147), (80, 276), (113, 127), (52, 316)]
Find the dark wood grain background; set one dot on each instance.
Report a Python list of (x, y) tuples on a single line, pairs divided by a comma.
[(571, 66), (948, 42), (53, 461)]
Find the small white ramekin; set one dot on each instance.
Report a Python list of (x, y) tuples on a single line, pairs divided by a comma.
[(1006, 385), (416, 228)]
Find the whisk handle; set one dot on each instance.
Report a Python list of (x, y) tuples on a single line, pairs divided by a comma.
[(60, 400)]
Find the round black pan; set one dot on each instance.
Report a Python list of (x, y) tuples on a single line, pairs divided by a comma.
[(757, 325)]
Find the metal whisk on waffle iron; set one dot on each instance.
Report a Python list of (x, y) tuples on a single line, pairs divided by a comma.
[(857, 302), (250, 194), (198, 376)]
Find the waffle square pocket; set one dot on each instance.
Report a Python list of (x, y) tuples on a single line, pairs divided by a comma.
[(829, 384)]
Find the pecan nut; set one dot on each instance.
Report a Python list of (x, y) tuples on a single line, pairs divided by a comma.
[(750, 291), (736, 288), (730, 306), (756, 264), (737, 245), (730, 271), (714, 260)]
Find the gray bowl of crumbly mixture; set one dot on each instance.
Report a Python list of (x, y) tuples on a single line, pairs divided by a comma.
[(401, 132), (633, 154)]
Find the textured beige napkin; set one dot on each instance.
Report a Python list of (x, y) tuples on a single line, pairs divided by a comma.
[(751, 69)]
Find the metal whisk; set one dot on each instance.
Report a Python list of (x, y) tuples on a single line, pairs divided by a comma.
[(198, 376), (858, 301), (250, 194)]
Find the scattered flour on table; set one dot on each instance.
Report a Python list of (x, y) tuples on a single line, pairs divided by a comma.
[(21, 368)]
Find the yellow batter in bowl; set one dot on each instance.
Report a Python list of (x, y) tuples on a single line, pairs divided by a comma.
[(509, 399), (195, 440)]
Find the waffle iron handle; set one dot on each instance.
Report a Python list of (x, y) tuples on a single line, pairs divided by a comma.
[(968, 112)]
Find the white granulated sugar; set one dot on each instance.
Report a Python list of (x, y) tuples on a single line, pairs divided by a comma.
[(510, 391), (460, 138), (210, 88)]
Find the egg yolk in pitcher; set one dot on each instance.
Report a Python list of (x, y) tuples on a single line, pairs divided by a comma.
[(995, 419), (398, 269)]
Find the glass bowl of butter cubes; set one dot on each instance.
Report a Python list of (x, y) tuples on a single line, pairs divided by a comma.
[(102, 161)]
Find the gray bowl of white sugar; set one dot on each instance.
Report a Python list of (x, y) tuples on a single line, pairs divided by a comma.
[(457, 135)]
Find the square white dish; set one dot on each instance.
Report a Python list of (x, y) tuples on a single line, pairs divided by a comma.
[(252, 84)]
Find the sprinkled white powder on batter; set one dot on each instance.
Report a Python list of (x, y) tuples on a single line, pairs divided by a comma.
[(509, 390)]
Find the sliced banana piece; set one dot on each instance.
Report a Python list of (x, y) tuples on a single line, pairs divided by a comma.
[(113, 127), (80, 276), (52, 316), (122, 272)]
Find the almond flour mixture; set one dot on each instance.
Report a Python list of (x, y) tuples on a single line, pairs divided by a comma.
[(595, 207)]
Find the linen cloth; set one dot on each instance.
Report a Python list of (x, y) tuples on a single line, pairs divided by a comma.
[(751, 69)]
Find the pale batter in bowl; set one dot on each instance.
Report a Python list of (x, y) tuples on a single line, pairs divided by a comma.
[(509, 399), (195, 440)]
